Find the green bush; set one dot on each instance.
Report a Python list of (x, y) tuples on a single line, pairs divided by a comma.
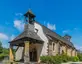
[(65, 58), (58, 59), (74, 59), (46, 59), (43, 59), (79, 56), (51, 59), (2, 56)]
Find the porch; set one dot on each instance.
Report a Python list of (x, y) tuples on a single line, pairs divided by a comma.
[(26, 51)]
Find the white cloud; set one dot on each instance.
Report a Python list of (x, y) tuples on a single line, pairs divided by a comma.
[(18, 14), (73, 30), (51, 26), (44, 22), (78, 47), (66, 31), (3, 36), (19, 25), (12, 37)]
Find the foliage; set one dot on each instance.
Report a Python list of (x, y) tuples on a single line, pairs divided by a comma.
[(46, 59), (3, 52), (64, 58), (58, 59), (74, 59), (79, 56), (1, 48), (2, 56)]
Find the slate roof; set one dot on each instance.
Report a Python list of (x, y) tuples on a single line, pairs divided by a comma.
[(28, 34), (29, 12), (55, 35), (49, 33)]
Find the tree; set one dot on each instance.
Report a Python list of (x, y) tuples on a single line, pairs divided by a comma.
[(5, 51), (1, 48)]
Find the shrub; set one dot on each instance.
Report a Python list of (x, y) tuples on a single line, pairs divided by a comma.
[(74, 59), (58, 59), (65, 58), (46, 59), (79, 56), (2, 56)]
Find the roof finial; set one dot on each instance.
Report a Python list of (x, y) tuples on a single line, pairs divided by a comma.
[(29, 5)]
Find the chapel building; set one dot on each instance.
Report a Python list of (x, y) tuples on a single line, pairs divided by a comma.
[(37, 40)]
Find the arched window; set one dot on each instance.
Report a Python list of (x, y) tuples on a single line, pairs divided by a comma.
[(62, 52), (53, 46), (59, 49)]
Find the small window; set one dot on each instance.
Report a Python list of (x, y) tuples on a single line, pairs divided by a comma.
[(53, 46), (36, 30), (62, 51), (59, 49)]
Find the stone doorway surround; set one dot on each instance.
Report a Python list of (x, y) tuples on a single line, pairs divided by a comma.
[(33, 53)]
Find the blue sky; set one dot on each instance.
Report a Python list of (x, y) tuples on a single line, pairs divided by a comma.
[(61, 16)]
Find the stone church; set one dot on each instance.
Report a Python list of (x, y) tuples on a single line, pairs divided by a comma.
[(37, 40)]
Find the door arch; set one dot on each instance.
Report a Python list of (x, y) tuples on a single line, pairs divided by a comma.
[(33, 55)]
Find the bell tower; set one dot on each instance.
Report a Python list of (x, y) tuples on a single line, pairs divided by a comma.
[(29, 18)]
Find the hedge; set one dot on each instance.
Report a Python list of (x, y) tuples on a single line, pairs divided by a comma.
[(2, 56), (58, 59), (79, 56)]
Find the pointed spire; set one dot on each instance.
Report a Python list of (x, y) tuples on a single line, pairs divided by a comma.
[(30, 13)]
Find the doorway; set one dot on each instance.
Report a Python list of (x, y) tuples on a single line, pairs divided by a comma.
[(33, 55)]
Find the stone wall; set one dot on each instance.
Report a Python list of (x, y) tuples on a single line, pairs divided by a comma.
[(50, 49), (73, 52), (64, 48), (19, 53), (69, 51), (55, 51), (41, 34)]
